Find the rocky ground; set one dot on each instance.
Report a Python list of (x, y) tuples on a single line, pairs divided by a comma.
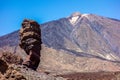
[(11, 69), (93, 76)]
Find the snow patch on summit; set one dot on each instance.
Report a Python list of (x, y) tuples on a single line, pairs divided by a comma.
[(85, 15), (74, 19)]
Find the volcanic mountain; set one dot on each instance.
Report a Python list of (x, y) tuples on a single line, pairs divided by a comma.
[(80, 42)]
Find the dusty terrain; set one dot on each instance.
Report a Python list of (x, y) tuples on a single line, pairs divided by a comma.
[(13, 70)]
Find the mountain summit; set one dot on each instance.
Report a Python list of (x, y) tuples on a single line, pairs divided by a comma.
[(81, 42), (76, 16)]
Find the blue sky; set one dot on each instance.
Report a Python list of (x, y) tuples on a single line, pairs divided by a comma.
[(12, 12)]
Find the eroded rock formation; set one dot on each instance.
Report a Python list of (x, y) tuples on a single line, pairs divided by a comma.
[(30, 41)]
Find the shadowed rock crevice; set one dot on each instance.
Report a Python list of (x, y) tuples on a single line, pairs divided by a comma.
[(3, 66)]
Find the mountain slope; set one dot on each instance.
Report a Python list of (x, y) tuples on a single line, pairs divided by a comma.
[(91, 34), (98, 36)]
